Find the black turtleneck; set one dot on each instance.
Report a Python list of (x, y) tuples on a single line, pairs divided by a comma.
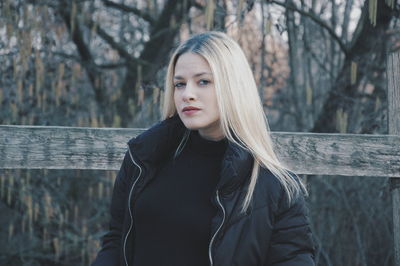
[(172, 216)]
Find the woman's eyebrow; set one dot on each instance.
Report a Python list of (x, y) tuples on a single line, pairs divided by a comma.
[(195, 75)]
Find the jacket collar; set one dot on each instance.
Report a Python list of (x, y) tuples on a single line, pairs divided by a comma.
[(160, 141)]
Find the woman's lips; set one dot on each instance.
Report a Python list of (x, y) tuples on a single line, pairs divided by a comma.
[(190, 110)]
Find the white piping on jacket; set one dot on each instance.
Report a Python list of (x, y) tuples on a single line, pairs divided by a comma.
[(216, 232), (129, 205)]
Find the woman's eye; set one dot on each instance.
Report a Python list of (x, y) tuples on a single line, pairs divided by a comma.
[(204, 82), (179, 85)]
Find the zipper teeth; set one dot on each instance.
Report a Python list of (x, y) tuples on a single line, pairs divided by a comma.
[(216, 232), (129, 205)]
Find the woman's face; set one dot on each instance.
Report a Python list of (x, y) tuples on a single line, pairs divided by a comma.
[(194, 96)]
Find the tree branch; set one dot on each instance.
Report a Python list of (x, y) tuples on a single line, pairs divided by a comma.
[(130, 9), (77, 59), (115, 45), (64, 55), (83, 49), (112, 65), (314, 17)]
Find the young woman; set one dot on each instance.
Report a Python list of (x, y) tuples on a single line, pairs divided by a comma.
[(204, 186)]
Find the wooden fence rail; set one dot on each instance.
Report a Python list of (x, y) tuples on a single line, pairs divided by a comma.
[(33, 147)]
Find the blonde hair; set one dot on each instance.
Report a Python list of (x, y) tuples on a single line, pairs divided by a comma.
[(242, 117)]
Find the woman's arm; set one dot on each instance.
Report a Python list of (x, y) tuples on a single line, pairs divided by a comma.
[(291, 241), (109, 255)]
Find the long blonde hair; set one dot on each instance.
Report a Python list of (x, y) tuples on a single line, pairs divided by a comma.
[(242, 117)]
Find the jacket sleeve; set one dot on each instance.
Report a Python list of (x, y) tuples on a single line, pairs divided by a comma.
[(109, 255), (291, 241)]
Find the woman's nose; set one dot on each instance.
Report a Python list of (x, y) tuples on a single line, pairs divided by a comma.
[(189, 93)]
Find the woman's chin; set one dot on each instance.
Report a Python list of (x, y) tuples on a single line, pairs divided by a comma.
[(191, 126), (190, 123)]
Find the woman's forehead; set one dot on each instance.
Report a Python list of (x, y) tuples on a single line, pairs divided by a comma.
[(191, 65)]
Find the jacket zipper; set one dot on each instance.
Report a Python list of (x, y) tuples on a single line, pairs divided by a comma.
[(216, 232), (129, 204)]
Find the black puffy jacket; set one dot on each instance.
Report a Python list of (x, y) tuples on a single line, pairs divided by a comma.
[(270, 233)]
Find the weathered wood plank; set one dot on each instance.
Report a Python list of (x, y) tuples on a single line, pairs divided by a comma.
[(393, 77), (103, 148), (339, 154), (63, 147)]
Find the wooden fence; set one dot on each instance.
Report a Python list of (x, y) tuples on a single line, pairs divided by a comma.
[(36, 147)]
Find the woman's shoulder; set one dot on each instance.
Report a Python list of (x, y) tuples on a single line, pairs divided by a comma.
[(268, 180), (271, 181), (272, 190), (268, 190)]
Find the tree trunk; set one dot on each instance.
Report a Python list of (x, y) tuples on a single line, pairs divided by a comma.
[(367, 50)]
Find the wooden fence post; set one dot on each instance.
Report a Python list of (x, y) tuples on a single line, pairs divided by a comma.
[(393, 77)]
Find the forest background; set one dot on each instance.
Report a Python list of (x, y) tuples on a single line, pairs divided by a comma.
[(319, 66)]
